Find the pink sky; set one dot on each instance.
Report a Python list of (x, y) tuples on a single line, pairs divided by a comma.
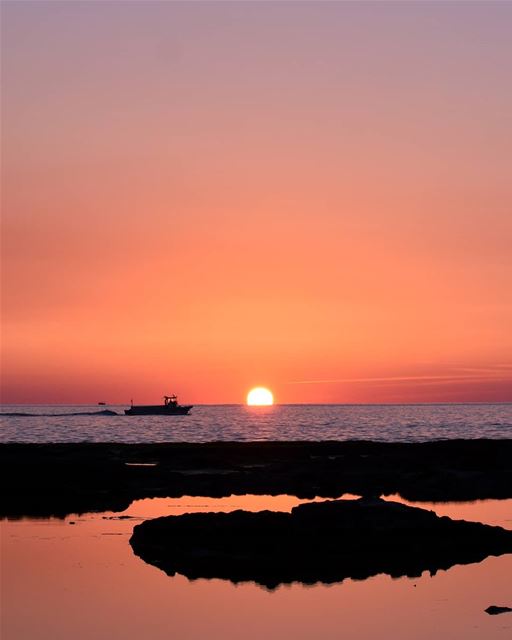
[(205, 197)]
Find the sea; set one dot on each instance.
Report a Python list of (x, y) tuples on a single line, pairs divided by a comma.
[(77, 576), (207, 423)]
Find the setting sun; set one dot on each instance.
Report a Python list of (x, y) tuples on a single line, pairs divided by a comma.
[(259, 397)]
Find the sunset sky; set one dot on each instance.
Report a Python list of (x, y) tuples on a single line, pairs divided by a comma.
[(204, 197)]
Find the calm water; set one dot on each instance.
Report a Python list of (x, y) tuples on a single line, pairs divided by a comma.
[(78, 578), (406, 423)]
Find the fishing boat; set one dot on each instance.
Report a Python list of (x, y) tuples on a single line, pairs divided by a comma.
[(169, 408)]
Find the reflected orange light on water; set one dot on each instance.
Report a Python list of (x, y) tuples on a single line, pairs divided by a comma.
[(89, 567)]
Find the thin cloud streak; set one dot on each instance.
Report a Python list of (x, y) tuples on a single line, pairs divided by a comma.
[(494, 376)]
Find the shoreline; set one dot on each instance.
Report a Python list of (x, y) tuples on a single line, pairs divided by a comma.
[(59, 479)]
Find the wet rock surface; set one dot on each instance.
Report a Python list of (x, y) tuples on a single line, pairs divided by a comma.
[(58, 479), (494, 610), (318, 542)]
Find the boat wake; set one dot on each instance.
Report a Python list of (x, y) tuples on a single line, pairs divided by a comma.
[(105, 412)]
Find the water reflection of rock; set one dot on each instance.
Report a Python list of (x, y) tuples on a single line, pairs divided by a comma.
[(318, 542)]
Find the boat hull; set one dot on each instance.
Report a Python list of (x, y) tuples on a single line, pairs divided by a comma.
[(158, 410)]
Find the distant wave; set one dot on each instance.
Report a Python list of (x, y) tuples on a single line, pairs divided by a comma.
[(105, 412)]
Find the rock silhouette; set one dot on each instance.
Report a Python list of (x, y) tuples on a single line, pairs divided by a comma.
[(318, 542), (495, 610), (59, 479)]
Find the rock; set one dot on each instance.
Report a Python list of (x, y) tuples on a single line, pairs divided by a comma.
[(494, 610), (318, 542), (60, 479)]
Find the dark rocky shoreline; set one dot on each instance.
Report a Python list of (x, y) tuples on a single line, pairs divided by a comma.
[(59, 479)]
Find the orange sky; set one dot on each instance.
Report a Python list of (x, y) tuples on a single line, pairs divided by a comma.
[(203, 197)]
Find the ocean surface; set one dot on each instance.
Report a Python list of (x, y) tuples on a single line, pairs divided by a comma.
[(83, 581), (205, 423), (78, 576)]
